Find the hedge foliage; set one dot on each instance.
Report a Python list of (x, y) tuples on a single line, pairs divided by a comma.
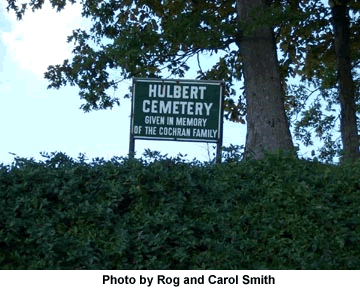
[(168, 213)]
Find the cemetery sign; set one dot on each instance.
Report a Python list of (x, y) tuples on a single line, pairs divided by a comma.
[(178, 110)]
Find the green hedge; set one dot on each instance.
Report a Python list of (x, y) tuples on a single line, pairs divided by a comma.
[(163, 213)]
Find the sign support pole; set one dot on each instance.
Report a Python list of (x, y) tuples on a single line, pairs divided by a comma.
[(132, 139), (132, 145), (220, 140)]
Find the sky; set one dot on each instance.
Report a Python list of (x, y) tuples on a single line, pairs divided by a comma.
[(35, 119)]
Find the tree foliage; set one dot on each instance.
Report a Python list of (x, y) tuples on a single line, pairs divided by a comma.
[(144, 39), (308, 44), (149, 38)]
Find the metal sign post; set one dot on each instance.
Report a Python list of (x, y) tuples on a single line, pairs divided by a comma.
[(177, 110)]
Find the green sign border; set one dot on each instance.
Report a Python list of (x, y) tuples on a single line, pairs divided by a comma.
[(178, 81)]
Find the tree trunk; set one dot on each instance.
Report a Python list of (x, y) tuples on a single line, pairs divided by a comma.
[(267, 123), (348, 124)]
